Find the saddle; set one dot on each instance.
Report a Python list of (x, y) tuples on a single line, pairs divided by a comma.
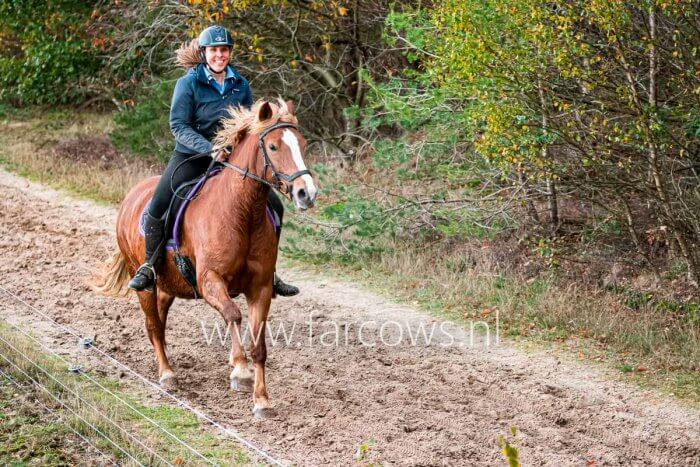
[(182, 196)]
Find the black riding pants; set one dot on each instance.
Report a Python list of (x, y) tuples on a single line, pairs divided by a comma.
[(186, 172)]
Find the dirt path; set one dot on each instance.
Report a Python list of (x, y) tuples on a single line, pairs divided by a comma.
[(439, 404)]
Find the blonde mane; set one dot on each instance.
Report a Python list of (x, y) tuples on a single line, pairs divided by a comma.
[(242, 120)]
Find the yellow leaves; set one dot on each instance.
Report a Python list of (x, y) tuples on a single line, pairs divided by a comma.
[(342, 11), (256, 39), (509, 451)]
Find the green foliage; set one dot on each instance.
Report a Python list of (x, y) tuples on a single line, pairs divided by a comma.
[(354, 229), (555, 94), (509, 451), (626, 368), (143, 128), (388, 153), (48, 54)]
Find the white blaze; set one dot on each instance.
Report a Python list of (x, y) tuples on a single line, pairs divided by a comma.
[(290, 140)]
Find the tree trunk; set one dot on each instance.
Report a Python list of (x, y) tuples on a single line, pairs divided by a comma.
[(552, 206), (528, 198), (688, 255), (552, 203), (629, 220)]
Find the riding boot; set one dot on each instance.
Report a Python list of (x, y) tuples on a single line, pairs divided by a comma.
[(279, 287), (154, 231), (282, 289)]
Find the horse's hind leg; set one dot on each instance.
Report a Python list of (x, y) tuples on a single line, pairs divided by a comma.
[(167, 376), (214, 291), (156, 310)]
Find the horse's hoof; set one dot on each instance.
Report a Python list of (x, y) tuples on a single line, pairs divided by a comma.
[(264, 413), (242, 385), (168, 382)]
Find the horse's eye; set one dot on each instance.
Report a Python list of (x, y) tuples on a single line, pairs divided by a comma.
[(272, 147)]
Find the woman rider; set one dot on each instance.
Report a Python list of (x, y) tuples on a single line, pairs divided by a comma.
[(200, 99)]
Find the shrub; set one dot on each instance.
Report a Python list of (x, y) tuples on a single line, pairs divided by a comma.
[(47, 53), (143, 129)]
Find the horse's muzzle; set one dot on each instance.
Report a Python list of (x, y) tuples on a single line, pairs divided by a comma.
[(304, 196)]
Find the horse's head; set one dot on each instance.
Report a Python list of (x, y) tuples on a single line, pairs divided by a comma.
[(283, 148), (279, 146)]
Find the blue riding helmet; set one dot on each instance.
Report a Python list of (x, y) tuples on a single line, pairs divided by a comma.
[(215, 35)]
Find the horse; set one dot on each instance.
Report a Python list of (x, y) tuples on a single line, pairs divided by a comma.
[(227, 235)]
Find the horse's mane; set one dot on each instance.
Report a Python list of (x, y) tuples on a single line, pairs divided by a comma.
[(188, 55), (242, 120)]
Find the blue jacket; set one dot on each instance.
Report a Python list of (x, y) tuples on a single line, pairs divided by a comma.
[(197, 107)]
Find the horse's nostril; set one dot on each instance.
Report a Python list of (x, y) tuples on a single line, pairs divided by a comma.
[(301, 193)]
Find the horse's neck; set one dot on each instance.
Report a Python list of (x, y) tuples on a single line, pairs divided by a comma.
[(246, 199)]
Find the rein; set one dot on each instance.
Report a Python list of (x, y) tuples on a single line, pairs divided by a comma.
[(277, 177)]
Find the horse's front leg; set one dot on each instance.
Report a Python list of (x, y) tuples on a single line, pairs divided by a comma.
[(258, 308), (215, 292)]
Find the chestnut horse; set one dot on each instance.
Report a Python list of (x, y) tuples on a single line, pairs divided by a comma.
[(227, 235)]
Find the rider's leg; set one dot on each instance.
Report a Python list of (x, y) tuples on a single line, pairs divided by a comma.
[(154, 225), (279, 286)]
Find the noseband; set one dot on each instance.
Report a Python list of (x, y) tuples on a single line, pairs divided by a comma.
[(277, 177)]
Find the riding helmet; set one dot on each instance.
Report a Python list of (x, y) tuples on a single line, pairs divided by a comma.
[(215, 35)]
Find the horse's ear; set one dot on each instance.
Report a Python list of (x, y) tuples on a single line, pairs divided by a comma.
[(239, 137), (290, 107), (265, 112)]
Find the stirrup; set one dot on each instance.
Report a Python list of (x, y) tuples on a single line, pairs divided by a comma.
[(145, 272)]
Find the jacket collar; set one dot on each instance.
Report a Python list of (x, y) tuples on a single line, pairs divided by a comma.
[(203, 76)]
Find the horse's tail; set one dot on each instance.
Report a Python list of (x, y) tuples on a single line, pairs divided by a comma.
[(114, 277)]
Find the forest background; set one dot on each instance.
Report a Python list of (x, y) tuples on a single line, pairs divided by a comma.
[(539, 158)]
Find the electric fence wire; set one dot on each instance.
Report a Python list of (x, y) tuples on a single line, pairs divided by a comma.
[(108, 391), (60, 418), (63, 404), (77, 396), (179, 401)]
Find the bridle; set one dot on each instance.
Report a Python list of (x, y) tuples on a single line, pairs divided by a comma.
[(277, 177)]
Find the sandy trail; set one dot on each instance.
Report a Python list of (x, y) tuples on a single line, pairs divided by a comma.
[(435, 404)]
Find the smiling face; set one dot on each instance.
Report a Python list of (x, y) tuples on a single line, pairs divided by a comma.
[(217, 57)]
